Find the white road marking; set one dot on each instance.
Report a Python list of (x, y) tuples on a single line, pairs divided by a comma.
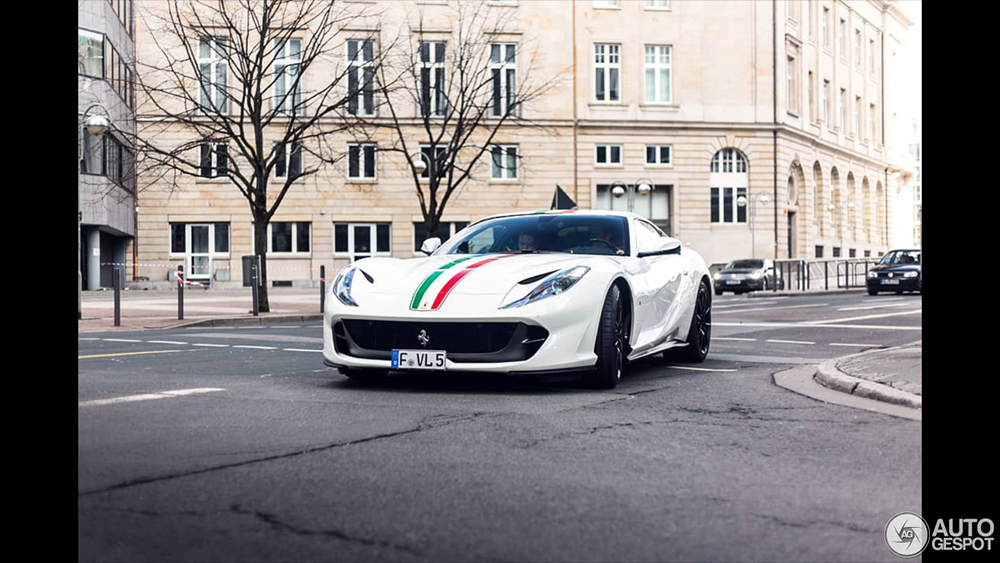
[(773, 308), (857, 345), (791, 342), (813, 325), (148, 396), (300, 350), (212, 345), (882, 316), (883, 299), (165, 342), (699, 369), (743, 304), (735, 339), (257, 347), (873, 307), (88, 339), (120, 340)]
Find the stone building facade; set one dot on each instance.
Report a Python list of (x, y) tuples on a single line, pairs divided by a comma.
[(762, 126)]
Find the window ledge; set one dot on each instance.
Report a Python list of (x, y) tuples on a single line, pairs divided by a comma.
[(505, 180), (220, 180), (659, 166), (597, 104), (361, 180), (659, 106), (288, 255)]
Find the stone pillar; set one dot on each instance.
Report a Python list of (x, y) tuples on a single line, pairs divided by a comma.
[(93, 254)]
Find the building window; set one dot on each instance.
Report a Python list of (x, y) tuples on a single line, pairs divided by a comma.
[(361, 161), (812, 19), (852, 253), (214, 161), (858, 116), (826, 27), (503, 69), (858, 52), (836, 252), (794, 10), (812, 97), (288, 163), (607, 66), (361, 77), (446, 230), (843, 39), (608, 155), (119, 74), (844, 109), (288, 237), (119, 165), (826, 102), (607, 3), (92, 159), (728, 180), (503, 165), (437, 164), (123, 9), (871, 57), (361, 240), (872, 118), (654, 206), (658, 155), (90, 47), (432, 85), (658, 88), (868, 254), (287, 84), (819, 251), (657, 4), (217, 233), (213, 73), (792, 80)]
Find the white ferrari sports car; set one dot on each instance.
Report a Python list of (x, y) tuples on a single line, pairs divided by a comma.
[(526, 293)]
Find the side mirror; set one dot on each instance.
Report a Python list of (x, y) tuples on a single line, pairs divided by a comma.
[(665, 245), (430, 245)]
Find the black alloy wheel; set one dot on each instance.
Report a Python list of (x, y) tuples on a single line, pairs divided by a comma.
[(700, 333), (612, 340)]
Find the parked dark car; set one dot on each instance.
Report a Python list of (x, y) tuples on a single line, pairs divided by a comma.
[(740, 276), (898, 270)]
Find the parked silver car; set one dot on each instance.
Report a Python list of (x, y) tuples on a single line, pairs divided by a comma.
[(752, 274)]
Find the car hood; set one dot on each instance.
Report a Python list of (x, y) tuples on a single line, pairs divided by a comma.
[(896, 268), (741, 271), (478, 274)]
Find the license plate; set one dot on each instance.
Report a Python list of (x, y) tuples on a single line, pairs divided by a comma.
[(733, 282), (890, 282), (418, 359)]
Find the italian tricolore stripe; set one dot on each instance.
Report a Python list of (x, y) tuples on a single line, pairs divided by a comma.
[(436, 287)]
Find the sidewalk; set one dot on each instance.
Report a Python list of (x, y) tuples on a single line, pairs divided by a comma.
[(892, 375), (158, 308)]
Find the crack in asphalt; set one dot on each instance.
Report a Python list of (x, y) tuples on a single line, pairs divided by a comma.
[(811, 523), (427, 423), (275, 523)]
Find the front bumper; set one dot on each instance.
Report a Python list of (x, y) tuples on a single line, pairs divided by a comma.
[(905, 284), (553, 335), (740, 285)]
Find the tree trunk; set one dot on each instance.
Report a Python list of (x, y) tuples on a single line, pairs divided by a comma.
[(260, 249), (432, 223)]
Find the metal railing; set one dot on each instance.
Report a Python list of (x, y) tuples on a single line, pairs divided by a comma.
[(817, 274)]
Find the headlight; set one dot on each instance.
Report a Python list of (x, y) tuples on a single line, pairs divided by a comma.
[(756, 275), (552, 285), (872, 274), (342, 286), (911, 274), (717, 276)]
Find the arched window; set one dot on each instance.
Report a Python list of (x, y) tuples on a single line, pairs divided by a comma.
[(820, 199), (835, 201), (851, 211), (729, 181), (867, 209)]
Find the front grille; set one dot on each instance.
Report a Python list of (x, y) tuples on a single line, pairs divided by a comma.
[(471, 338)]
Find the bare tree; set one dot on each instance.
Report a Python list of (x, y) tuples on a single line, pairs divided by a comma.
[(444, 101), (257, 84)]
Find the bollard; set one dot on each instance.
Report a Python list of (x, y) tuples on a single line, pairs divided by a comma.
[(117, 284), (180, 293), (253, 283), (826, 275), (322, 288)]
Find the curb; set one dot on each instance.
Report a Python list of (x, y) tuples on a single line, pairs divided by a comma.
[(243, 321), (828, 375)]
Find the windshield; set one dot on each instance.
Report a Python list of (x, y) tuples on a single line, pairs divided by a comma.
[(901, 257), (563, 232), (745, 264)]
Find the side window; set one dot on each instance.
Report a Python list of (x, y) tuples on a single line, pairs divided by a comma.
[(481, 242), (647, 236)]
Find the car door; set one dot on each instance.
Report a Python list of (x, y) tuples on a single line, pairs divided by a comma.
[(656, 283)]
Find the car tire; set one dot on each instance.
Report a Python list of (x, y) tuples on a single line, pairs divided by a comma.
[(872, 292), (700, 332), (369, 375), (612, 338)]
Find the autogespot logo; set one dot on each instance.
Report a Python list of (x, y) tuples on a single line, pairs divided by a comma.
[(907, 534)]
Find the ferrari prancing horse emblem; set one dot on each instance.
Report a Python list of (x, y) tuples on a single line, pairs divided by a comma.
[(423, 338)]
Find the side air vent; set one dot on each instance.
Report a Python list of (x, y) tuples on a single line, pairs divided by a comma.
[(533, 279)]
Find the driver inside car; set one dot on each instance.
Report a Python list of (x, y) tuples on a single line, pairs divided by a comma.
[(527, 241), (600, 232)]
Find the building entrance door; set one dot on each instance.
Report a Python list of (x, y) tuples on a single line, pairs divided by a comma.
[(199, 259), (791, 234)]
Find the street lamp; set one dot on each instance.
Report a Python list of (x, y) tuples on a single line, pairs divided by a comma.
[(96, 124), (741, 201), (419, 165), (642, 185)]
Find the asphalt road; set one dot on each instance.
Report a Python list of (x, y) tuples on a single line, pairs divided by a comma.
[(237, 444)]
